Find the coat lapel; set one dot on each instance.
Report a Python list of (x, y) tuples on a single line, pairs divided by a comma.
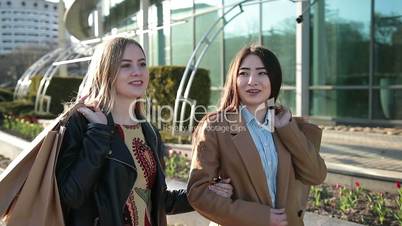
[(282, 177), (251, 160), (120, 151)]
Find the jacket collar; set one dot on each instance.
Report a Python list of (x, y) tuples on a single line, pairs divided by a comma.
[(251, 160)]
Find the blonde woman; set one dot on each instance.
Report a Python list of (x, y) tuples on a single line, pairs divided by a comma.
[(261, 149), (110, 167)]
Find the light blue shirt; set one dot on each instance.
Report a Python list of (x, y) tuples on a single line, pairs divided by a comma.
[(265, 145)]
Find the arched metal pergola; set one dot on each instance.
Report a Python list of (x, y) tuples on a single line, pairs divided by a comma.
[(48, 66)]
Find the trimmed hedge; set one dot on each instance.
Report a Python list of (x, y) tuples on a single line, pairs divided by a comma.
[(17, 107), (6, 94), (164, 83), (61, 90)]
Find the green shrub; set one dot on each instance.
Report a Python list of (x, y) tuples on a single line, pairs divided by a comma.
[(6, 94), (61, 90), (165, 81), (18, 107), (41, 115)]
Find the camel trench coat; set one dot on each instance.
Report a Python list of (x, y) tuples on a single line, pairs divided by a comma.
[(224, 147)]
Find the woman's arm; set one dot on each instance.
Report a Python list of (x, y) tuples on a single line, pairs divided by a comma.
[(205, 166), (175, 200), (310, 168), (83, 151)]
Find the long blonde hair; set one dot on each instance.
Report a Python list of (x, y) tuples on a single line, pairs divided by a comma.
[(100, 79)]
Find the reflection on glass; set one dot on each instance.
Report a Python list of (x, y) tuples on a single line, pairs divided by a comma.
[(181, 9), (279, 35), (214, 99), (339, 103), (388, 43), (387, 104), (288, 99), (242, 30), (340, 42), (212, 59), (159, 38), (120, 15), (182, 34)]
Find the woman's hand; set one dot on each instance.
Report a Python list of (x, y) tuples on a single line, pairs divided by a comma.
[(93, 116), (96, 116), (222, 188), (282, 117), (278, 217)]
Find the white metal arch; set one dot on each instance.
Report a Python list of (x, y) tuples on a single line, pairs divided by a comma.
[(192, 65), (22, 87), (69, 53)]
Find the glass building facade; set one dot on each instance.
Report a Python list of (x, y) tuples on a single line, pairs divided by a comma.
[(353, 48), (356, 67)]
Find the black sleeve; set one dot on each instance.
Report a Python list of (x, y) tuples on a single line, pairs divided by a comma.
[(176, 200), (82, 154)]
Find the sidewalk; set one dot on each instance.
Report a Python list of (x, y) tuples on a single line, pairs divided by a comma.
[(375, 159)]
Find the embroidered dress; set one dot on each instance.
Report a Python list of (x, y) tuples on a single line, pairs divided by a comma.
[(138, 206)]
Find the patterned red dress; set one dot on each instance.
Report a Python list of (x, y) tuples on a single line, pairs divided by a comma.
[(138, 205)]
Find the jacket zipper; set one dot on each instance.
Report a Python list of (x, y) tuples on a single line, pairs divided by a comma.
[(121, 162)]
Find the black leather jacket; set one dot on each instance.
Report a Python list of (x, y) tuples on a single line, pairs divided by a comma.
[(95, 174)]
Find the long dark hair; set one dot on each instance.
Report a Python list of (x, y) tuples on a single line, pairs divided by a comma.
[(230, 99)]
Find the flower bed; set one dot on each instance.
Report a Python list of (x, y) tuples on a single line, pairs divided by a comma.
[(25, 127), (357, 204), (177, 166)]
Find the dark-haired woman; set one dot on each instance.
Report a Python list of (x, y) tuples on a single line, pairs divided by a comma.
[(263, 150)]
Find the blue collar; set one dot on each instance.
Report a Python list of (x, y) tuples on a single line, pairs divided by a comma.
[(248, 116)]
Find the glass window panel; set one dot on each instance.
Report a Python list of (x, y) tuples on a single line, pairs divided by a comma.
[(182, 33), (214, 99), (388, 42), (387, 104), (181, 9), (120, 15), (339, 103), (241, 31), (279, 35), (158, 38), (288, 99), (182, 45), (340, 42), (212, 59)]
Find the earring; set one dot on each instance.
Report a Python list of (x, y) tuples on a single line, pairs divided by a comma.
[(271, 114)]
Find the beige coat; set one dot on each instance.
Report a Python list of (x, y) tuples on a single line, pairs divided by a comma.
[(224, 147)]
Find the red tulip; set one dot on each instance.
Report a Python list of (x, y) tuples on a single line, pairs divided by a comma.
[(398, 184), (357, 184)]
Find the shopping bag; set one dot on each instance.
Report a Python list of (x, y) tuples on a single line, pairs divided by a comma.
[(28, 187)]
